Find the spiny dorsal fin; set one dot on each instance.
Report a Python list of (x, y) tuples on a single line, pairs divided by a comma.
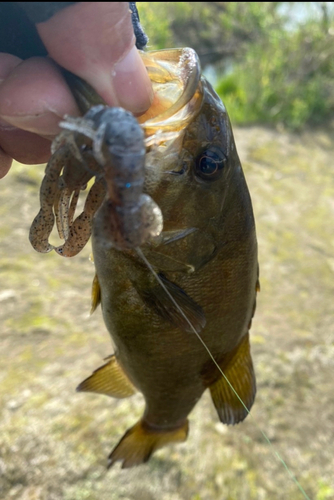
[(157, 298), (96, 294), (109, 379), (240, 373)]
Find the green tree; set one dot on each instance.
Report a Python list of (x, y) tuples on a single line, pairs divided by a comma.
[(286, 79), (271, 69), (216, 30)]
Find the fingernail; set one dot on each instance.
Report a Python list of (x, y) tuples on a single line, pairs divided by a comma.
[(45, 124), (131, 83)]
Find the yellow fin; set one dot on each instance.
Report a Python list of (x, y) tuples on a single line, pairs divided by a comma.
[(139, 442), (96, 294), (240, 373), (109, 379)]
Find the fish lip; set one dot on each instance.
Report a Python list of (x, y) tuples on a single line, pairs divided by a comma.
[(191, 71), (175, 65)]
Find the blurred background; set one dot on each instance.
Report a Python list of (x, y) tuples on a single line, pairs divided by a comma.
[(272, 63)]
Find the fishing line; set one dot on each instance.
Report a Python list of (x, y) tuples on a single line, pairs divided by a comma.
[(277, 455)]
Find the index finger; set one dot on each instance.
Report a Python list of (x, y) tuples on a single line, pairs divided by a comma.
[(95, 40)]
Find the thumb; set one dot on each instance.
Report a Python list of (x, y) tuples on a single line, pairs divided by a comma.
[(95, 41)]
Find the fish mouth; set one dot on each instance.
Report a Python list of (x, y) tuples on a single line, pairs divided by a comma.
[(175, 75)]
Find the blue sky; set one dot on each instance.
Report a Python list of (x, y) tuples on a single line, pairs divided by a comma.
[(300, 11)]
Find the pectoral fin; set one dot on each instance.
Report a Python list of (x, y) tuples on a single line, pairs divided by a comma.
[(240, 373), (109, 379), (169, 300), (96, 294)]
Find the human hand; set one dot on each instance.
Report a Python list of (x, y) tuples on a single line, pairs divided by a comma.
[(92, 40)]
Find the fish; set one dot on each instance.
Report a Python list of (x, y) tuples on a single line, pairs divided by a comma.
[(174, 248), (196, 277)]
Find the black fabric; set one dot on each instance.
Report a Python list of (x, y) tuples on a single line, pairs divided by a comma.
[(18, 34), (38, 12)]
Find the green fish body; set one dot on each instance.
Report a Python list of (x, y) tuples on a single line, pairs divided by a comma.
[(206, 258)]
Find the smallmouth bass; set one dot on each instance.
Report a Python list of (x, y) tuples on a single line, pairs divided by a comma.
[(205, 258)]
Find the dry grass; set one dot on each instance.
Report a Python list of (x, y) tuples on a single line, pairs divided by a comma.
[(54, 442)]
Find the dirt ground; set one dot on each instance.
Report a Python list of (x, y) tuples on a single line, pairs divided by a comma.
[(54, 442)]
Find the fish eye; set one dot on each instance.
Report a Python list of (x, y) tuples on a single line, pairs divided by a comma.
[(210, 163)]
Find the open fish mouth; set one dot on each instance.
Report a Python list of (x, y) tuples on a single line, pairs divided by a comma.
[(175, 75)]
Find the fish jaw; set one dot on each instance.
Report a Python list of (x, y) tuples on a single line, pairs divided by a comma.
[(175, 75)]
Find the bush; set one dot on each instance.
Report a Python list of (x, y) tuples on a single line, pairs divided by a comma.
[(288, 81), (282, 72)]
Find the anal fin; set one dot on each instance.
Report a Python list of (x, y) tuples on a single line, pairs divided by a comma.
[(110, 380), (240, 373), (140, 441)]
